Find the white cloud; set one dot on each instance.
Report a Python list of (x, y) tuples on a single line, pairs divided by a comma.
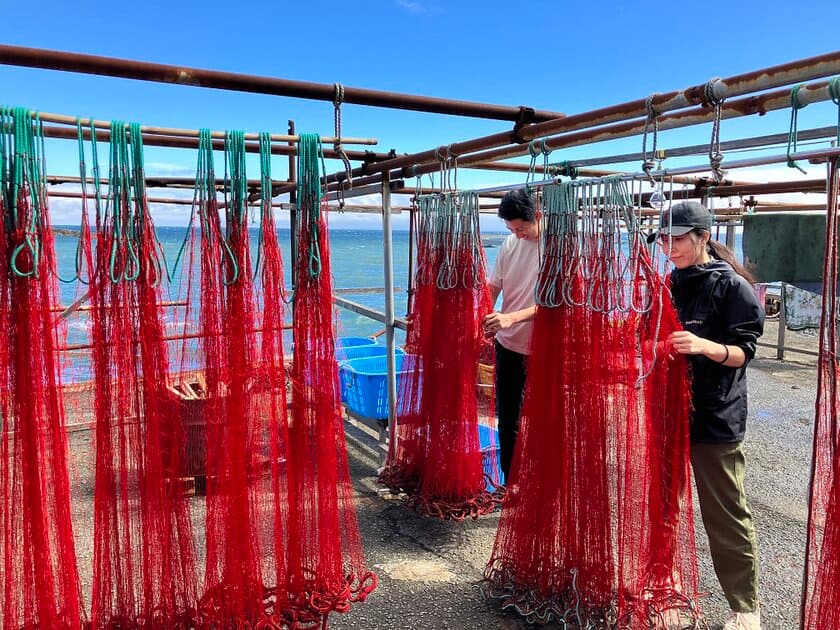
[(411, 6)]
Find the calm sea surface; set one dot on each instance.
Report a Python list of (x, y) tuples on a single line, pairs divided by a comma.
[(356, 258)]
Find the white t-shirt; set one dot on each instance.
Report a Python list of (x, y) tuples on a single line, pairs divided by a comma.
[(515, 273)]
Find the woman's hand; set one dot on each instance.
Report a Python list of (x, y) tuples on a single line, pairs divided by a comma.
[(684, 342)]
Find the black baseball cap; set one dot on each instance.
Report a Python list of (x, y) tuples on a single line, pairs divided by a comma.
[(681, 218)]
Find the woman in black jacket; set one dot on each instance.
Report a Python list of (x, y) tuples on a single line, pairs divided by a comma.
[(722, 320)]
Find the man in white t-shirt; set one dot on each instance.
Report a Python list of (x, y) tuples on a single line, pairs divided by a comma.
[(514, 276)]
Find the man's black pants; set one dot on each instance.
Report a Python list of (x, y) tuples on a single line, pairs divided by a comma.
[(510, 390)]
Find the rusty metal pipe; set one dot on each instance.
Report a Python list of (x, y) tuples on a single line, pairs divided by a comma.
[(198, 77), (739, 85), (154, 181), (760, 104), (63, 119), (192, 143), (700, 149)]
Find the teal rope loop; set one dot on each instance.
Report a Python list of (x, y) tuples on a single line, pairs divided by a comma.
[(25, 168), (309, 194), (834, 92), (795, 106), (266, 218), (236, 196)]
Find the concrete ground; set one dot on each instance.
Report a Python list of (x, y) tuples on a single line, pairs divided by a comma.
[(427, 568)]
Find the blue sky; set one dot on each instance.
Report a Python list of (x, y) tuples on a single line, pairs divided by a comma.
[(568, 57)]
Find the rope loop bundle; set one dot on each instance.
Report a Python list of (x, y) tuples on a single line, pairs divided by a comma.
[(795, 106), (24, 188), (310, 193), (715, 154)]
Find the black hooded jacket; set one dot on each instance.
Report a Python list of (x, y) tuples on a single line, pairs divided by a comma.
[(716, 303)]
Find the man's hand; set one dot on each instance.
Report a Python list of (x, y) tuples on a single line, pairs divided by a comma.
[(495, 321)]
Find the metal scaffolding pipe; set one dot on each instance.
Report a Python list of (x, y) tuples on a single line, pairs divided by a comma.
[(154, 181), (739, 85), (63, 119), (182, 142), (700, 149), (198, 77), (760, 104)]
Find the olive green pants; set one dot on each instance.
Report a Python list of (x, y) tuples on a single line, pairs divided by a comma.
[(719, 476)]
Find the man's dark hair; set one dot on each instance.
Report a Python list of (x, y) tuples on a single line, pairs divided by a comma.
[(517, 204)]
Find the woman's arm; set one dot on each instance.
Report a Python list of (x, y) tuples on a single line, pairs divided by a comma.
[(684, 342)]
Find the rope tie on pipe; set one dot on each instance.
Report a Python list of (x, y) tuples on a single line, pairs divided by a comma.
[(648, 163), (532, 167), (795, 106), (834, 92), (545, 153), (445, 157), (715, 154), (453, 168), (338, 98)]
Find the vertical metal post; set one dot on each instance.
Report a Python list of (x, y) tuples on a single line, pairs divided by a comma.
[(730, 236), (780, 338), (388, 266), (292, 211)]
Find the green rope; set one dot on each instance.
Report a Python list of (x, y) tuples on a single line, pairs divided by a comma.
[(200, 183), (309, 194), (24, 168), (236, 197), (97, 185), (265, 197), (82, 179), (834, 91), (795, 106)]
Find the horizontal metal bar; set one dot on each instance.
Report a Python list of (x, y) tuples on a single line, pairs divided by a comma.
[(372, 189), (739, 85), (761, 104), (819, 154), (104, 135), (189, 133), (699, 149), (198, 77), (375, 315), (810, 353)]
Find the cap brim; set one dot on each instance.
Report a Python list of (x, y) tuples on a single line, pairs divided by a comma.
[(674, 230)]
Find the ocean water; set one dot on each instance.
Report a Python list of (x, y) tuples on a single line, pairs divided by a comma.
[(356, 258)]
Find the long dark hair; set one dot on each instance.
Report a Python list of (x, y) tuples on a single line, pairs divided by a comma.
[(720, 251)]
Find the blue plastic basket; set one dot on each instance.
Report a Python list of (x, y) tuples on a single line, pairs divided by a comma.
[(488, 441), (360, 352), (352, 342), (364, 384)]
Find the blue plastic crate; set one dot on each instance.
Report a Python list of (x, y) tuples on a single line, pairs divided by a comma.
[(488, 441), (352, 342), (349, 353), (365, 383), (359, 352)]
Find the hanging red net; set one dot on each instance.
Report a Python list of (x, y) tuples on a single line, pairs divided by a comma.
[(144, 569), (821, 592), (37, 558), (326, 560), (434, 453), (596, 526)]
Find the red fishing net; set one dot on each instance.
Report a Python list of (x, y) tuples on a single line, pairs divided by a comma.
[(596, 526), (821, 592), (434, 453), (37, 558), (143, 567), (326, 561)]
